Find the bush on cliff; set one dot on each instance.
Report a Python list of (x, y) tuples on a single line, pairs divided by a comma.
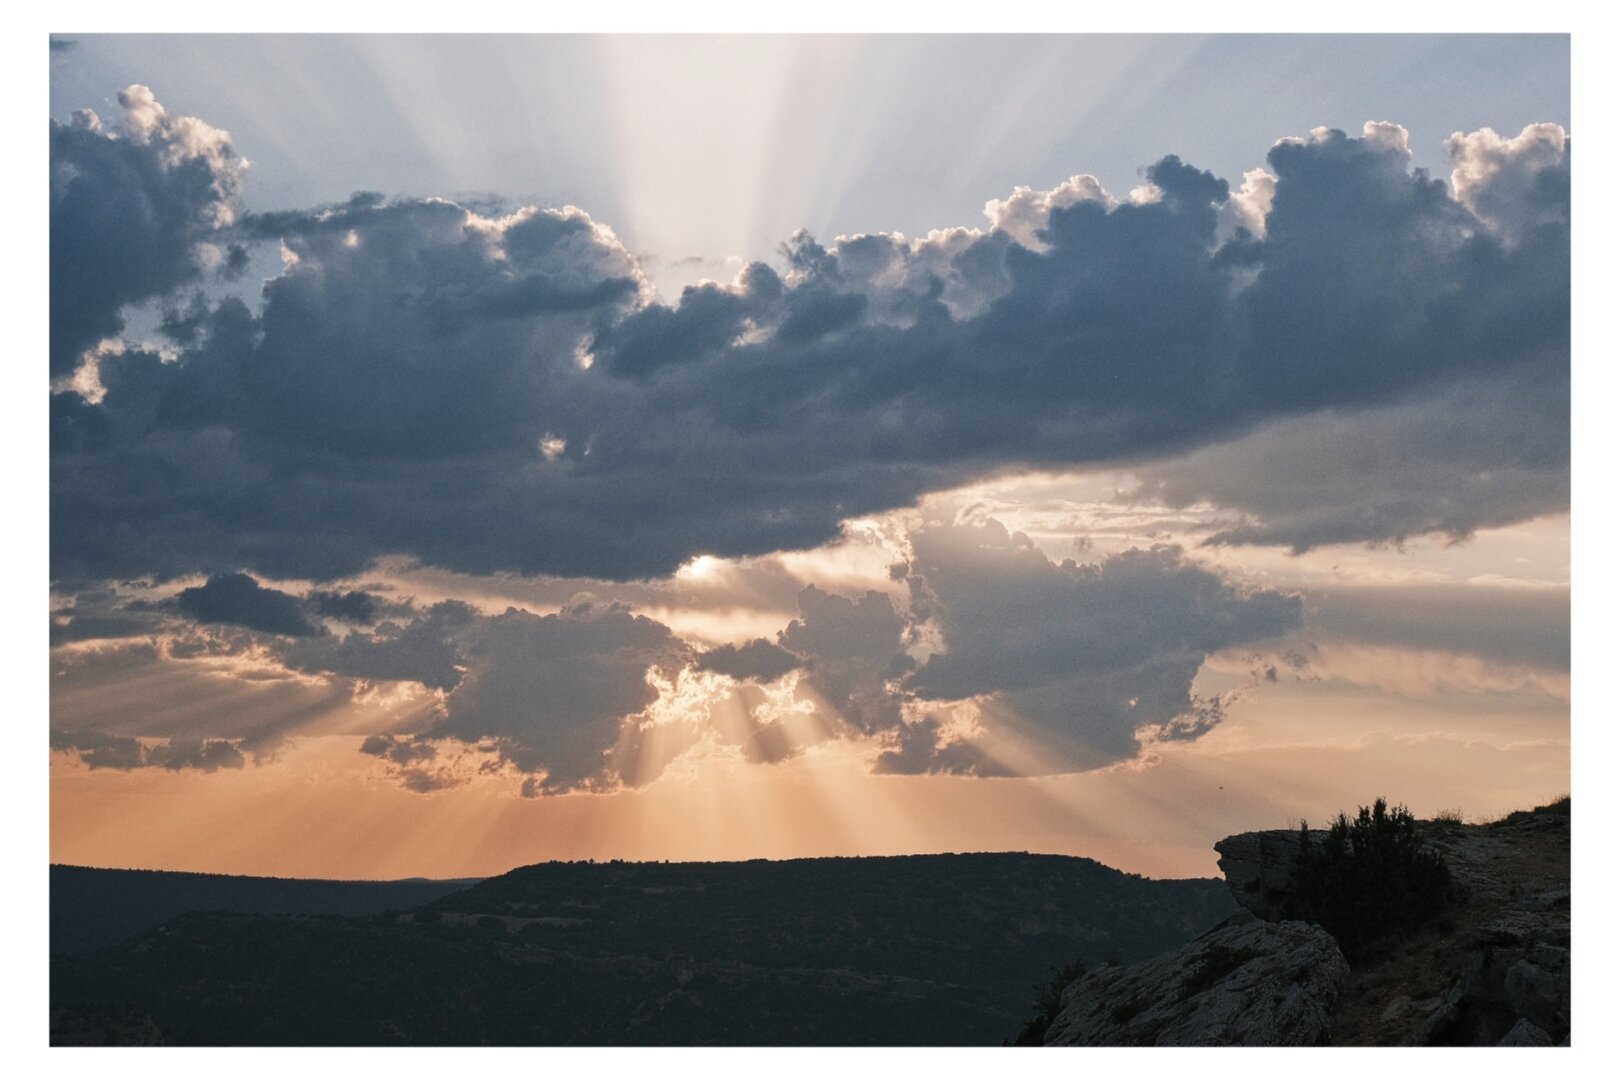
[(1372, 879)]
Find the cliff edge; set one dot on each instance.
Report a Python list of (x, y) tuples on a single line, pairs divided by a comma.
[(1491, 969)]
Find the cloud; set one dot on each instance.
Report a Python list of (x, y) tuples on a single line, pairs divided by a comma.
[(238, 600), (1025, 214), (1475, 456), (1085, 657), (98, 750), (1513, 185), (427, 648), (491, 394), (757, 661), (202, 755), (559, 698), (1085, 663), (137, 210), (360, 608), (100, 614), (415, 763), (929, 745), (1013, 619), (852, 650), (399, 751), (1513, 626), (554, 693)]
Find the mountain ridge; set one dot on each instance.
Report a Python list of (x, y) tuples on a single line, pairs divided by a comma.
[(855, 950)]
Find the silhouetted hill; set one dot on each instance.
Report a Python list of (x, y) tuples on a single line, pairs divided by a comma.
[(914, 950), (93, 908)]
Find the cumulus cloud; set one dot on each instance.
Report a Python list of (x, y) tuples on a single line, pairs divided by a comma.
[(1248, 206), (554, 693), (138, 208), (1090, 655), (499, 393), (1341, 349), (1025, 213), (1513, 185)]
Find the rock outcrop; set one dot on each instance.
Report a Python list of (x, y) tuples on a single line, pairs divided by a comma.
[(1492, 971), (1247, 983), (1259, 868)]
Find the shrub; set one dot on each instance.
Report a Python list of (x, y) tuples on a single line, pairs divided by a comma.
[(1372, 879)]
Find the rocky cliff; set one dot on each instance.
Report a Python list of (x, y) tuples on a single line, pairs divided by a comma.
[(1492, 970)]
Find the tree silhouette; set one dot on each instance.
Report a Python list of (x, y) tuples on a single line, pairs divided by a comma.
[(1372, 879)]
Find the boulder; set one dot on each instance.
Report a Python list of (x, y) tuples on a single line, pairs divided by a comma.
[(1259, 868), (1251, 983)]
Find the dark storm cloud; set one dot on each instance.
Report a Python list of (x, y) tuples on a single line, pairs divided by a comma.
[(135, 212), (1087, 655), (756, 661), (496, 394), (238, 600)]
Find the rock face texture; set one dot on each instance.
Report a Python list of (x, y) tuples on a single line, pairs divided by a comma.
[(1514, 986), (1247, 983)]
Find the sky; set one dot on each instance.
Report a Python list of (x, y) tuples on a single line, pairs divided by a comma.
[(472, 451)]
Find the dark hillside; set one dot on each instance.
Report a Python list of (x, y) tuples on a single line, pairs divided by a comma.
[(93, 908), (915, 950)]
